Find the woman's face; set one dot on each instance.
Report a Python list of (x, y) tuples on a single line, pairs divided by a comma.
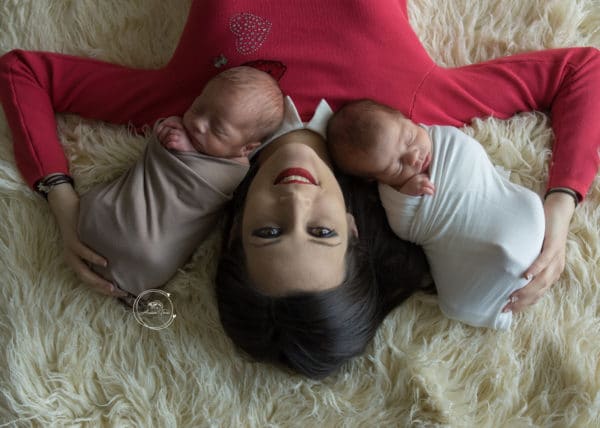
[(295, 226)]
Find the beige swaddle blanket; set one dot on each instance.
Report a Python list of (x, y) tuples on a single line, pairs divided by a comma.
[(149, 221)]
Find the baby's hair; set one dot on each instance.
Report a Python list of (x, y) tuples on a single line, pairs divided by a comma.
[(354, 128), (264, 97)]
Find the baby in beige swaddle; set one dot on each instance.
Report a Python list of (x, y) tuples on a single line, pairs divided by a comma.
[(148, 222)]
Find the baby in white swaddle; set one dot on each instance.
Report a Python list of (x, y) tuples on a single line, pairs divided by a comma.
[(479, 231)]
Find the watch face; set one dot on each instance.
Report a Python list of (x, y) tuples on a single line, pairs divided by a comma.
[(154, 309)]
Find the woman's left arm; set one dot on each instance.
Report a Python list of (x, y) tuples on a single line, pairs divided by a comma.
[(546, 269), (565, 82)]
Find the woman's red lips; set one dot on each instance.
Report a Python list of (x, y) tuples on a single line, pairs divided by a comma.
[(295, 176)]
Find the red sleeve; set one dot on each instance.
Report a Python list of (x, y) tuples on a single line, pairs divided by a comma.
[(35, 85), (563, 82), (338, 50)]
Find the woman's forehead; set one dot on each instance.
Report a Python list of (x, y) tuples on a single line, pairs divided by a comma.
[(281, 269)]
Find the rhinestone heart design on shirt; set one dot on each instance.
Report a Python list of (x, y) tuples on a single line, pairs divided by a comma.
[(250, 31), (275, 68)]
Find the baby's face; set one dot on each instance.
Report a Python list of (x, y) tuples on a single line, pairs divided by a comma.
[(400, 151), (216, 125)]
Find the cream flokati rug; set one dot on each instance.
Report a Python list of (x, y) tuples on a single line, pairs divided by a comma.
[(72, 358)]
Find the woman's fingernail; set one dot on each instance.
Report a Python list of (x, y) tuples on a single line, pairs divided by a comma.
[(529, 277)]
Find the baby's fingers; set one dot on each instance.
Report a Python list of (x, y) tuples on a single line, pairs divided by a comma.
[(159, 127), (163, 133), (173, 122), (428, 188)]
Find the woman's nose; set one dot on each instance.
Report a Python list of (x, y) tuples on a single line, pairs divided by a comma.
[(297, 204), (296, 198)]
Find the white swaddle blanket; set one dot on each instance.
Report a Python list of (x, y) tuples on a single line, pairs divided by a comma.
[(148, 222), (479, 231)]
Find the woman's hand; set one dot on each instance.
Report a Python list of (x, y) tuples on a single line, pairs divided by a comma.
[(64, 204), (546, 269)]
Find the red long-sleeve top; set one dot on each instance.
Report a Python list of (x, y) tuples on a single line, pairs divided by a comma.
[(336, 49)]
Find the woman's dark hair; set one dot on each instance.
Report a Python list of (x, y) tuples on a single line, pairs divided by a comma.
[(399, 267), (314, 333)]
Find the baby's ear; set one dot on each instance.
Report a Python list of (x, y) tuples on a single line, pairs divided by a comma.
[(250, 147)]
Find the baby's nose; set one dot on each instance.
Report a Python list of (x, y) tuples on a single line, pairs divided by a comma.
[(202, 126), (411, 157)]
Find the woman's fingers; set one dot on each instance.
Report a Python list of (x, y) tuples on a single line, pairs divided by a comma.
[(544, 272), (64, 204), (547, 275), (548, 266), (75, 258), (87, 254)]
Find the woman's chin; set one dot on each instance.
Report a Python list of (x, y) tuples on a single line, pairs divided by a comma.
[(294, 155)]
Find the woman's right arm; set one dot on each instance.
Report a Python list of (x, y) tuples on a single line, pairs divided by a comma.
[(35, 85), (64, 204)]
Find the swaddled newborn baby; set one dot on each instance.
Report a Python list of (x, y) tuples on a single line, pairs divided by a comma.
[(148, 222), (479, 231)]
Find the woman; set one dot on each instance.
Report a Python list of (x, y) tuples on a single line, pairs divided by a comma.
[(352, 37), (295, 285)]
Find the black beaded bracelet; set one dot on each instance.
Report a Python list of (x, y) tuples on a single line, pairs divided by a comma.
[(45, 185), (566, 190)]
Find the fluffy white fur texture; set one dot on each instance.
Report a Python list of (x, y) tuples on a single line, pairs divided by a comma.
[(70, 357)]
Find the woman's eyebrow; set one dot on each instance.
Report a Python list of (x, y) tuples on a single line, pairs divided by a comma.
[(264, 244), (324, 242)]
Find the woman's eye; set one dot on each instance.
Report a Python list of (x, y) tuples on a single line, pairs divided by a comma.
[(267, 232), (322, 232)]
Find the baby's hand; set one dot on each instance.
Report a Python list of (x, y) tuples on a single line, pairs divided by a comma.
[(417, 185), (173, 136)]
